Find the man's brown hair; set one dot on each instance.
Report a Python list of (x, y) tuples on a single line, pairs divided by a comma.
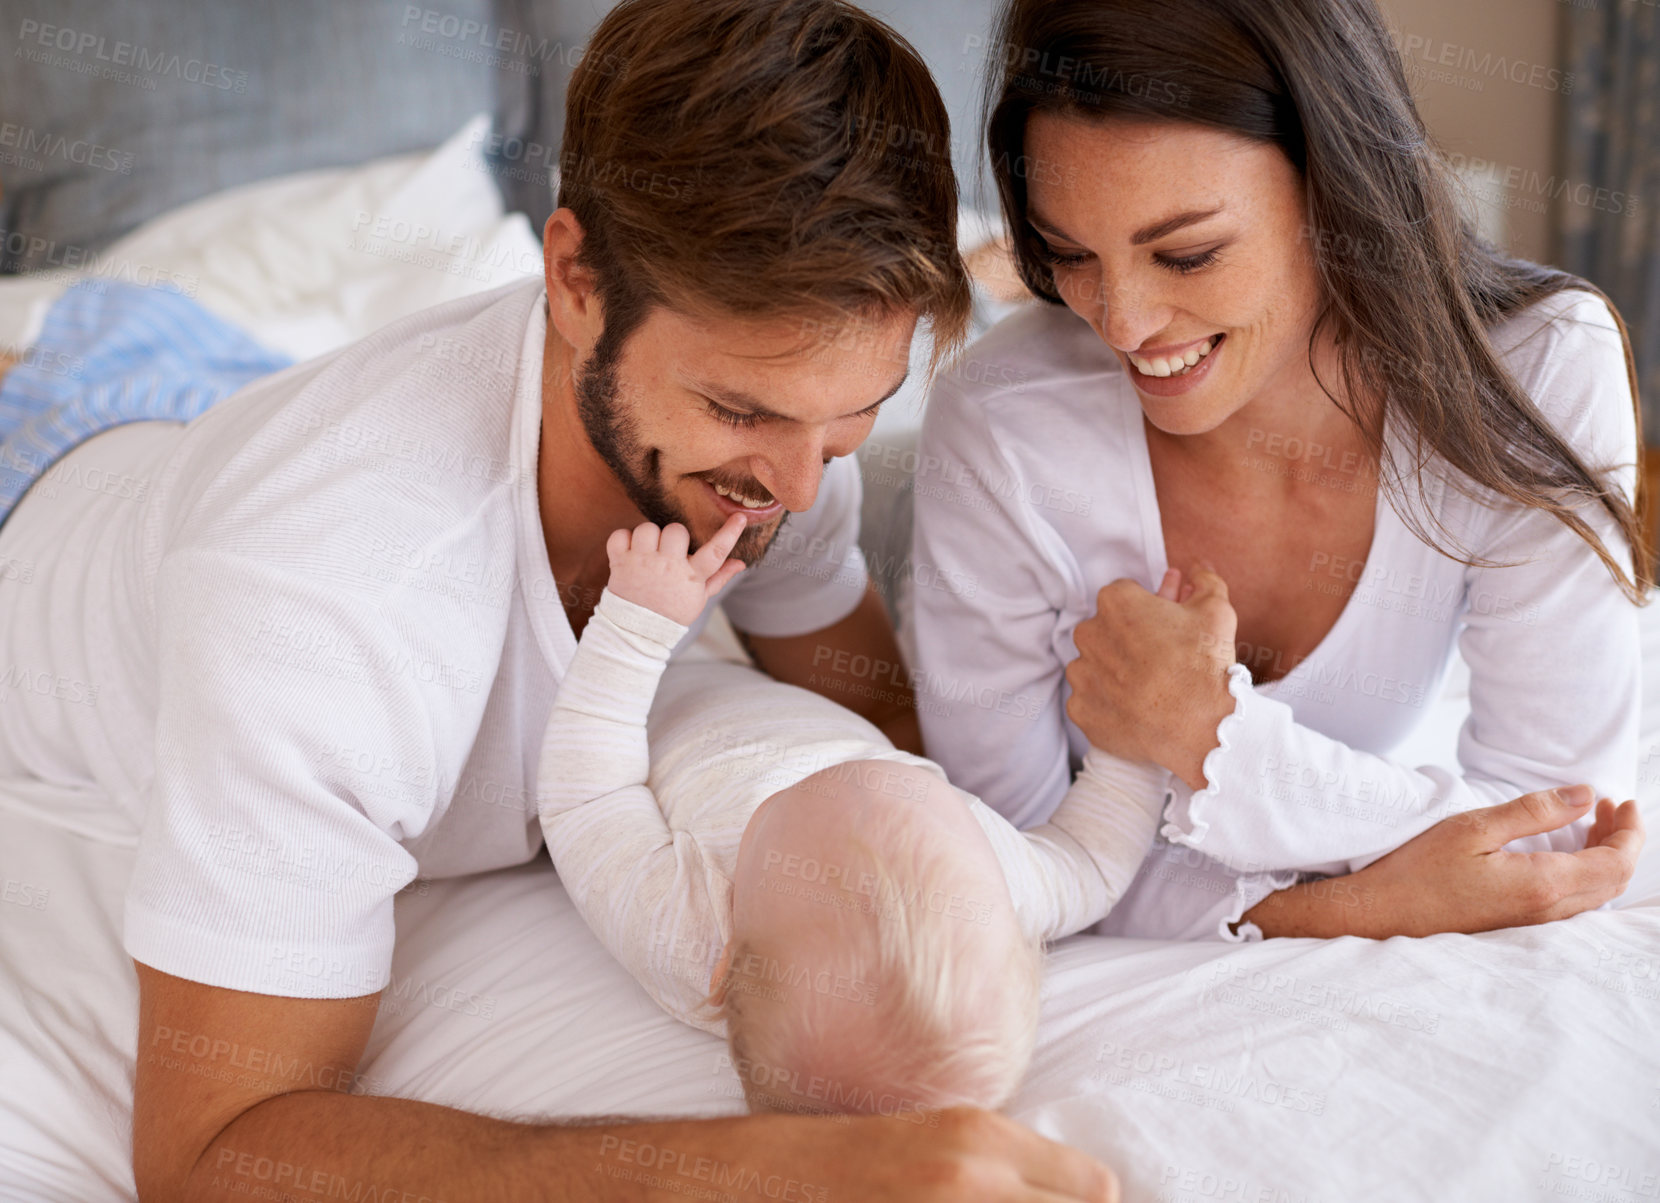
[(762, 159)]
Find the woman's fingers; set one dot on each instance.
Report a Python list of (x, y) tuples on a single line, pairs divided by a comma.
[(1531, 814), (1170, 587), (1207, 584), (1598, 875), (1625, 832), (1603, 825)]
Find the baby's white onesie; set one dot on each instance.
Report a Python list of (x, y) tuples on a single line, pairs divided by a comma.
[(646, 846)]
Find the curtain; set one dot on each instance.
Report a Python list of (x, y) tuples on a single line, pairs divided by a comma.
[(1607, 216)]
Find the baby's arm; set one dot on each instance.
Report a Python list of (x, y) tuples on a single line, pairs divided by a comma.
[(1066, 874), (644, 889)]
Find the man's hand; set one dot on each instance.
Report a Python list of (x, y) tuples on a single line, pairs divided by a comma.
[(1150, 680), (651, 568), (1457, 877), (962, 1155)]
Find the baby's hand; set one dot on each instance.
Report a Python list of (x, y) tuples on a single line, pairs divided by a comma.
[(652, 569)]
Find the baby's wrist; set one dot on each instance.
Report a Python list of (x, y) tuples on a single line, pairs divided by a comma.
[(639, 619)]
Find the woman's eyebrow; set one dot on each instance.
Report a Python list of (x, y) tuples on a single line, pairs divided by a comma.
[(1142, 236), (1171, 224)]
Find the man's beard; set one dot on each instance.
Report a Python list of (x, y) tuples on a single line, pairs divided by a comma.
[(615, 437)]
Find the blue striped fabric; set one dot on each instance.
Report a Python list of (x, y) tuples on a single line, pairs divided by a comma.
[(110, 353)]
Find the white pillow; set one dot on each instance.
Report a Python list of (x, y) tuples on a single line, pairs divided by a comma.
[(309, 262)]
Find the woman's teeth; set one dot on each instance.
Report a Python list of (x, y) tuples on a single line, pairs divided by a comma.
[(1173, 365), (741, 499)]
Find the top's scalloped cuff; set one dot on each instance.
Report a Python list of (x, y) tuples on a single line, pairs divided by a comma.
[(1184, 821), (1248, 890)]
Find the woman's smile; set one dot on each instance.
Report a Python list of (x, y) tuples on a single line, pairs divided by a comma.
[(1175, 370)]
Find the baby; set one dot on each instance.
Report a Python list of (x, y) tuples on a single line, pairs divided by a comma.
[(869, 937)]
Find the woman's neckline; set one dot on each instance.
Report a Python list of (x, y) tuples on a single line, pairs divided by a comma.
[(1158, 563)]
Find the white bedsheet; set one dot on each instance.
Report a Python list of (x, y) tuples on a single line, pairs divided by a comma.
[(1511, 1066), (1515, 1065)]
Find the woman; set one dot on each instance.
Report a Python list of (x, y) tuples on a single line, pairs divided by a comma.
[(1280, 382)]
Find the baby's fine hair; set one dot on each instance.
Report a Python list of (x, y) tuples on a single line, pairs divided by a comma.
[(932, 1000)]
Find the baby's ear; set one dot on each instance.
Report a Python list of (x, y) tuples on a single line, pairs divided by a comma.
[(717, 979)]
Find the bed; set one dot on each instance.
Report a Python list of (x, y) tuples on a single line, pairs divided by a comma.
[(1515, 1065)]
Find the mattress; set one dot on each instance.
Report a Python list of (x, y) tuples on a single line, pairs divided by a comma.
[(1513, 1065)]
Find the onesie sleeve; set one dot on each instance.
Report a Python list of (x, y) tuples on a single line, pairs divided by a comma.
[(650, 894), (1551, 641), (1066, 874)]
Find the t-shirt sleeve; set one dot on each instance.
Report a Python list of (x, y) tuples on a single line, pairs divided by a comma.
[(813, 574), (306, 729)]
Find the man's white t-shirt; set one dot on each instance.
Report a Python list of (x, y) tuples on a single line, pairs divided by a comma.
[(310, 640)]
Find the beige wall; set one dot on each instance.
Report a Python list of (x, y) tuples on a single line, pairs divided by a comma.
[(1487, 76)]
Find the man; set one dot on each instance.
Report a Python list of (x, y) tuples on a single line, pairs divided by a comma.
[(328, 640)]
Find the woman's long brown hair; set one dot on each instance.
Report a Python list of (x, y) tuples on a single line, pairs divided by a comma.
[(1410, 289)]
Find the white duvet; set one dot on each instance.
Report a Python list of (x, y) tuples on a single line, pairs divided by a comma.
[(1516, 1065)]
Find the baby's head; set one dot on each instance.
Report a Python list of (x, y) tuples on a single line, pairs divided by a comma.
[(876, 962)]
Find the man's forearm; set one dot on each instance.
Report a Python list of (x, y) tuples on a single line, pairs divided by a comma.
[(855, 662), (324, 1145)]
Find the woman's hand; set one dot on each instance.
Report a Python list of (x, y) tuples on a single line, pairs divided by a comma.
[(1456, 876), (1150, 680)]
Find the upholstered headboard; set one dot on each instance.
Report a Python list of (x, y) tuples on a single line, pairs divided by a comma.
[(113, 113)]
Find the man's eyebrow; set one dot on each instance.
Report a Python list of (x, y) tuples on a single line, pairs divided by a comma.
[(746, 403), (1142, 236)]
